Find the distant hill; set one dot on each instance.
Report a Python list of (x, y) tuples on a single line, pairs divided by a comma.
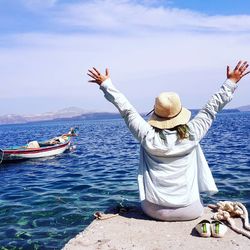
[(63, 113), (77, 113), (93, 116), (244, 108), (12, 119)]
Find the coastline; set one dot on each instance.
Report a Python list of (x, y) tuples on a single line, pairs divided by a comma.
[(134, 230)]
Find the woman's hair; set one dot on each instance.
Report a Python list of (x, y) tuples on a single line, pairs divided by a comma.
[(181, 130)]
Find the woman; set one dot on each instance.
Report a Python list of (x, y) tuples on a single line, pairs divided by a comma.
[(173, 169)]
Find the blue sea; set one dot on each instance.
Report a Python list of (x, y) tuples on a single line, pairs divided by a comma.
[(45, 202)]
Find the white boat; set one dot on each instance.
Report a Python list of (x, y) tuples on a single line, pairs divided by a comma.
[(36, 149)]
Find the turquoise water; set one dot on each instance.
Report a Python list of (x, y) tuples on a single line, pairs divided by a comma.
[(46, 202)]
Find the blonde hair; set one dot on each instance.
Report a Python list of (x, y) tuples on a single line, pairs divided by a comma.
[(182, 131)]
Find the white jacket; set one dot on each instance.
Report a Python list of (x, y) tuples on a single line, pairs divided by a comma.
[(172, 172)]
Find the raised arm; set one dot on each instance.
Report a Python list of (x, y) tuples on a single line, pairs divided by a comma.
[(204, 119), (136, 124)]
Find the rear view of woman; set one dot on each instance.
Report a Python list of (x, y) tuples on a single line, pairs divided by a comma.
[(173, 170)]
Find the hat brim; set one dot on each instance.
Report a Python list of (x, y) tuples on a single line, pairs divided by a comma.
[(163, 123)]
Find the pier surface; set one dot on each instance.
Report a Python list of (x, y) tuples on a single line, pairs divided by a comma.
[(133, 230)]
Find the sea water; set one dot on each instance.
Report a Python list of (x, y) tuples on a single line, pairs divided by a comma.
[(45, 202)]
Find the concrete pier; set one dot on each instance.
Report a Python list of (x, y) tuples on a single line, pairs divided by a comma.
[(133, 230)]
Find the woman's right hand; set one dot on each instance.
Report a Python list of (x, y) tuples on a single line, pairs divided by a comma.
[(96, 76), (238, 72)]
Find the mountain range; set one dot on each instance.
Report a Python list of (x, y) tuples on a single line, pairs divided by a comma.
[(63, 114), (73, 113)]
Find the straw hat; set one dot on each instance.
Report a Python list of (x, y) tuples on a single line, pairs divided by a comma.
[(168, 111)]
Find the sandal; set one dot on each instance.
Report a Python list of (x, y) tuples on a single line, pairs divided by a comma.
[(218, 229), (203, 228)]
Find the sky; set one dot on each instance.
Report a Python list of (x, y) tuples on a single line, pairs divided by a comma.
[(47, 46)]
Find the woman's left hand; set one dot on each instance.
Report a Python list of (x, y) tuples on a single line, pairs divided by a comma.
[(238, 72), (97, 77)]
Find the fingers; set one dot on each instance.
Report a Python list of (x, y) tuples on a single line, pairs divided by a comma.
[(238, 65), (97, 72), (228, 70), (93, 77), (96, 76), (243, 67), (239, 71), (107, 72), (246, 73), (93, 74)]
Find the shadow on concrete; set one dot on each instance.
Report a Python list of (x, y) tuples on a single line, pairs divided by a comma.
[(129, 211)]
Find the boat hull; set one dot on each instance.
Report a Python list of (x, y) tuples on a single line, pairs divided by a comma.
[(23, 154)]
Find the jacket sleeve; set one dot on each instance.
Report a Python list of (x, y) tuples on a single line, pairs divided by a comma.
[(136, 124), (200, 124)]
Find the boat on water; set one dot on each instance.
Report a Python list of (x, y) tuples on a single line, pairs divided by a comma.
[(36, 149)]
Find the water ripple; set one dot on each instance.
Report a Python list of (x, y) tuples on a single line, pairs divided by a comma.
[(45, 202)]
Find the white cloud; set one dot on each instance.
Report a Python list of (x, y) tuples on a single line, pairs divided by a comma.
[(148, 50), (131, 17), (191, 64)]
